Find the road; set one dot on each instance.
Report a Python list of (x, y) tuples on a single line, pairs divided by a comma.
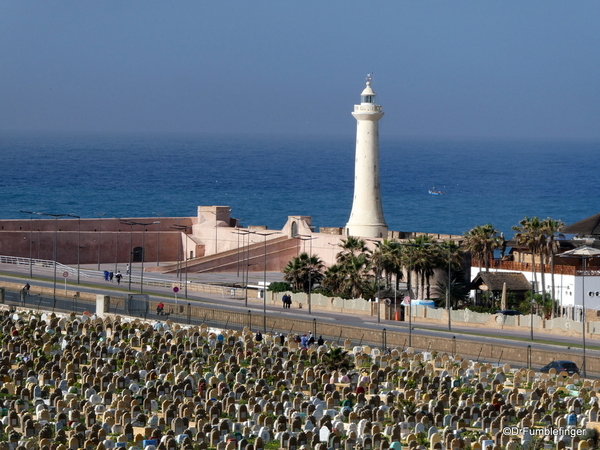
[(97, 285)]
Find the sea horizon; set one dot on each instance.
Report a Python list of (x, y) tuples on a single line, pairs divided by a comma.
[(265, 179)]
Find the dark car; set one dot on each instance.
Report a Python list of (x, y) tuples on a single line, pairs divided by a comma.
[(561, 366), (509, 312)]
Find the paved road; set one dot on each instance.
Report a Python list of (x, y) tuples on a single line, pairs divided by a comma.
[(96, 284)]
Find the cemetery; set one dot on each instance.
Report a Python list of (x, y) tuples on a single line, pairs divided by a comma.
[(72, 382)]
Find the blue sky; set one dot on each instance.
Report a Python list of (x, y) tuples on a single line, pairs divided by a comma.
[(494, 69)]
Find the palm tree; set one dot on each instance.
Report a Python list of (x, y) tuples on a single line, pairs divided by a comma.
[(333, 279), (294, 272), (304, 271), (352, 246), (419, 255), (529, 232), (550, 227), (450, 258), (481, 242), (337, 359), (388, 257), (356, 274)]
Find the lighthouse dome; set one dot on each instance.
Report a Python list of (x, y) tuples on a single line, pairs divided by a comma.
[(368, 90), (367, 95)]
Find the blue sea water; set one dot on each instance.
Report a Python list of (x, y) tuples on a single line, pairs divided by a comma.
[(266, 179)]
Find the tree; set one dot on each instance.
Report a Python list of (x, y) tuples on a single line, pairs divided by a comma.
[(352, 246), (387, 256), (550, 227), (481, 242), (337, 359), (529, 232), (333, 280), (304, 271), (424, 262), (357, 274), (293, 272), (450, 258)]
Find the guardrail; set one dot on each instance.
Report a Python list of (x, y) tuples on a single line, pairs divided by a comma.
[(44, 265)]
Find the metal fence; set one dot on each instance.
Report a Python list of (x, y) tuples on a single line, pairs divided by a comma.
[(48, 266)]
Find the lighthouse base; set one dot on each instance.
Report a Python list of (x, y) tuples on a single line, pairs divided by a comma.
[(369, 231)]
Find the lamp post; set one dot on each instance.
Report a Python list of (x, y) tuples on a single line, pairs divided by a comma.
[(303, 237), (408, 287), (448, 248), (378, 280), (583, 253), (31, 213), (78, 243), (237, 227), (183, 229), (126, 222), (216, 213), (531, 310), (117, 247), (264, 235), (144, 225), (246, 259), (54, 250), (100, 215), (158, 240)]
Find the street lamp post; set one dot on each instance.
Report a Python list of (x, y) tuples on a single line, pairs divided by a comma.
[(100, 215), (246, 260), (408, 287), (531, 309), (449, 287), (583, 253), (117, 247), (216, 213), (158, 240), (126, 222), (144, 225), (183, 229), (448, 309), (237, 227), (31, 213), (264, 235), (78, 243), (54, 250), (378, 281), (303, 237)]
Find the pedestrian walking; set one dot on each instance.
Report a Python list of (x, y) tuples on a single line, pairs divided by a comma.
[(127, 270), (111, 275), (118, 276), (304, 341)]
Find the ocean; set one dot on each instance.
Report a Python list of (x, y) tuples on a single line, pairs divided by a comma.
[(265, 179)]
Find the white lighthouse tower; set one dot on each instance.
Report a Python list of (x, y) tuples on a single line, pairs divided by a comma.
[(366, 217)]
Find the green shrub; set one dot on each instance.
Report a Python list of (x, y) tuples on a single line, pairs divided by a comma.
[(279, 286)]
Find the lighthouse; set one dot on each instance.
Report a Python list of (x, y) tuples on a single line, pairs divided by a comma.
[(366, 217)]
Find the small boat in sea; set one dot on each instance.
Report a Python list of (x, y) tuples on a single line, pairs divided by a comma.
[(433, 191)]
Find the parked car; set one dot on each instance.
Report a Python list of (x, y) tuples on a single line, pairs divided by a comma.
[(509, 312), (561, 366)]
